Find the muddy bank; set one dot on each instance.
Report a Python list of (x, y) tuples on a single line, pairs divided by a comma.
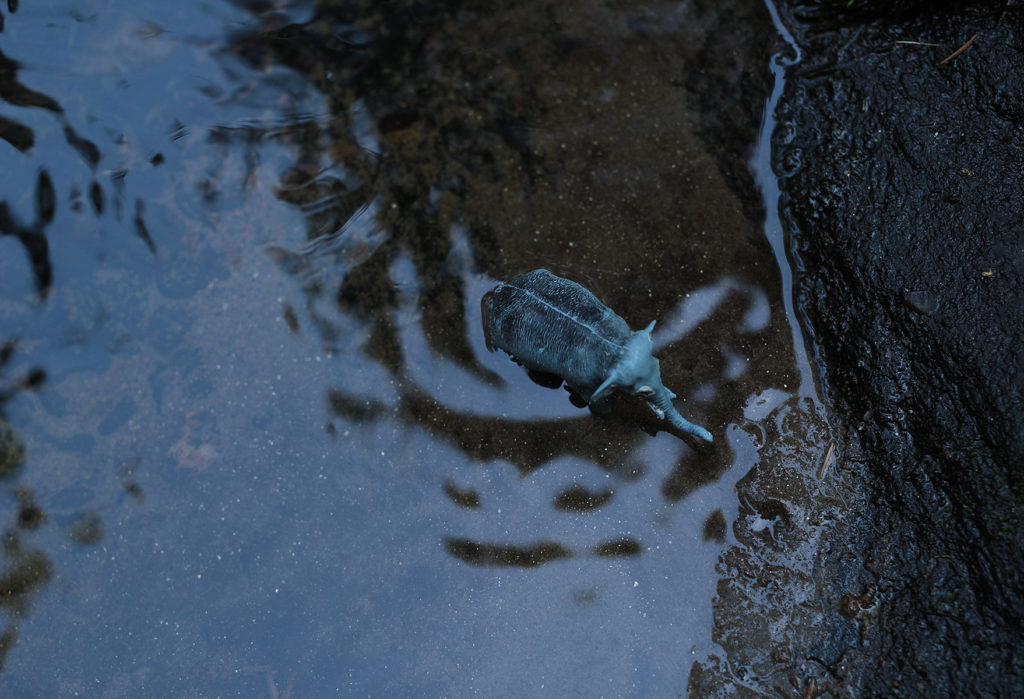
[(902, 179)]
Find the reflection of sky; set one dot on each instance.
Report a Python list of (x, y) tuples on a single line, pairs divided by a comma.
[(288, 547)]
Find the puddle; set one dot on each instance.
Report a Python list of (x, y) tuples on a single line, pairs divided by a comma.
[(251, 426)]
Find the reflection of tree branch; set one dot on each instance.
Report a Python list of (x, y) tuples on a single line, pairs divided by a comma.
[(86, 148), (506, 555), (7, 641), (463, 497), (13, 92), (31, 237), (18, 135), (25, 570), (394, 76), (355, 409), (619, 548), (12, 451), (579, 499), (367, 290), (683, 480), (141, 229), (21, 137), (36, 247), (529, 444)]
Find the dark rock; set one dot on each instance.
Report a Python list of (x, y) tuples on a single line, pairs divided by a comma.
[(921, 301), (912, 180)]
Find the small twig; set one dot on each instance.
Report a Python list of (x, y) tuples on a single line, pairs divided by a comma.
[(828, 460), (917, 43), (960, 50)]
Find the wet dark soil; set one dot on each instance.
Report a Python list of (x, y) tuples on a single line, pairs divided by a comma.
[(903, 188)]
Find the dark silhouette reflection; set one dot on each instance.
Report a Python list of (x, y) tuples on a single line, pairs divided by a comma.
[(13, 92), (714, 527), (579, 499), (696, 473), (31, 237), (141, 229), (619, 548), (526, 443), (86, 529), (375, 53), (291, 318), (128, 483), (87, 149), (96, 197), (481, 554), (18, 135), (463, 497), (12, 452), (356, 409), (21, 137), (30, 515), (25, 569)]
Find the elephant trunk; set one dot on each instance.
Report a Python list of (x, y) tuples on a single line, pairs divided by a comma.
[(661, 404)]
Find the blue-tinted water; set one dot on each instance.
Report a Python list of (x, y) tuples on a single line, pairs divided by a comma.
[(252, 435)]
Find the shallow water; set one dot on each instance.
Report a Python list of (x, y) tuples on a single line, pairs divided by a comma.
[(253, 435)]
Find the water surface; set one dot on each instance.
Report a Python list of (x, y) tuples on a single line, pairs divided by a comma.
[(253, 436)]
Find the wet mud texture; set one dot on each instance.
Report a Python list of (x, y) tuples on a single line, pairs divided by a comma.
[(903, 188)]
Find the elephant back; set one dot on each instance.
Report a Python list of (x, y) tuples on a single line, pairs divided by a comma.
[(554, 325)]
